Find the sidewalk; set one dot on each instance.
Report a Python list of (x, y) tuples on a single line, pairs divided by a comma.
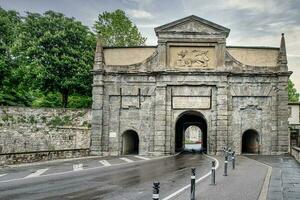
[(285, 178), (243, 183)]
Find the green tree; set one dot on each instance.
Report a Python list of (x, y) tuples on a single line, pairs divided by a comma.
[(10, 93), (116, 29), (8, 22), (292, 92), (55, 54)]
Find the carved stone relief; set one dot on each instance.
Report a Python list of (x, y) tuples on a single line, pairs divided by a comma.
[(192, 58)]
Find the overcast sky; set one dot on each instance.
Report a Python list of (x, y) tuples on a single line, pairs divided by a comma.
[(252, 22)]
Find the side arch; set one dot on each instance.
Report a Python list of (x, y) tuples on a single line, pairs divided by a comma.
[(130, 142), (250, 141)]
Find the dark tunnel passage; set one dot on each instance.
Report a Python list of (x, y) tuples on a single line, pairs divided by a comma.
[(185, 120)]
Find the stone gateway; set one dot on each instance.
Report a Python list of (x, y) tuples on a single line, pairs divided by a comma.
[(145, 98)]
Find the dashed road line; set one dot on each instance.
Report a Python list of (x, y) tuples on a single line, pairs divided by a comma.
[(84, 169), (2, 175), (105, 163), (126, 160), (141, 157), (78, 167), (37, 173)]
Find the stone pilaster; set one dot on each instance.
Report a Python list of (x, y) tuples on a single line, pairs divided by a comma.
[(222, 118), (160, 120), (282, 100), (97, 107), (282, 115)]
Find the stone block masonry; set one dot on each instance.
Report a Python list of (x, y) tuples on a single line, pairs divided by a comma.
[(236, 96), (33, 134)]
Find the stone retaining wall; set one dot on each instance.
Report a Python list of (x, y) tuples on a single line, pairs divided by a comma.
[(30, 134), (29, 157)]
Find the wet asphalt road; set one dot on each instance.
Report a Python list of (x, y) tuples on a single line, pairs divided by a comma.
[(130, 181)]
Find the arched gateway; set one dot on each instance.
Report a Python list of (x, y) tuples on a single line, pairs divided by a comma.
[(159, 91), (186, 120)]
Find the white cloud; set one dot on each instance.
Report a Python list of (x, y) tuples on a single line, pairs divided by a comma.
[(270, 6), (263, 6), (139, 14), (148, 25)]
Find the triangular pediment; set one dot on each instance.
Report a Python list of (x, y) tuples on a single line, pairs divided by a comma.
[(193, 24)]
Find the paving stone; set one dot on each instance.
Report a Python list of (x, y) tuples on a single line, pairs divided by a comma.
[(285, 179)]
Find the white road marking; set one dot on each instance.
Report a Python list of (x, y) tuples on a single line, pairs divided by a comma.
[(37, 173), (85, 169), (78, 167), (187, 186), (2, 175), (141, 157), (105, 163), (126, 160)]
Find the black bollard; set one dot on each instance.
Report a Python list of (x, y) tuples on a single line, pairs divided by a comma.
[(233, 160), (155, 195), (213, 173), (225, 165), (193, 177), (226, 153), (229, 154)]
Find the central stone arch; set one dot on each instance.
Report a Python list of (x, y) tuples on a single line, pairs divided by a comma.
[(184, 121)]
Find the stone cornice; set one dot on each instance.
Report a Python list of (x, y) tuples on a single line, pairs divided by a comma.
[(216, 73)]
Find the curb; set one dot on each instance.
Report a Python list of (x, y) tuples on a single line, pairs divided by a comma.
[(264, 189)]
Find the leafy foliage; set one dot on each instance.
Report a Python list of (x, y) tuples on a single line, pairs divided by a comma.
[(8, 22), (79, 101), (45, 59), (49, 99), (292, 92), (55, 54), (116, 29), (10, 92)]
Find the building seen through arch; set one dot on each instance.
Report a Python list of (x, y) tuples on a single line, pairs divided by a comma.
[(193, 134), (190, 121), (191, 78)]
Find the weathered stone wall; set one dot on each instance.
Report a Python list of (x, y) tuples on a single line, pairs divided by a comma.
[(192, 72), (26, 130), (130, 108)]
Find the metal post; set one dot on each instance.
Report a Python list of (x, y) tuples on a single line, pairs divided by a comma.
[(229, 154), (155, 195), (213, 172), (233, 160), (225, 165), (193, 177)]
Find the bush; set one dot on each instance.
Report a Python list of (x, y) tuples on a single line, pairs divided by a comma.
[(77, 101), (54, 100), (11, 97), (50, 100)]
